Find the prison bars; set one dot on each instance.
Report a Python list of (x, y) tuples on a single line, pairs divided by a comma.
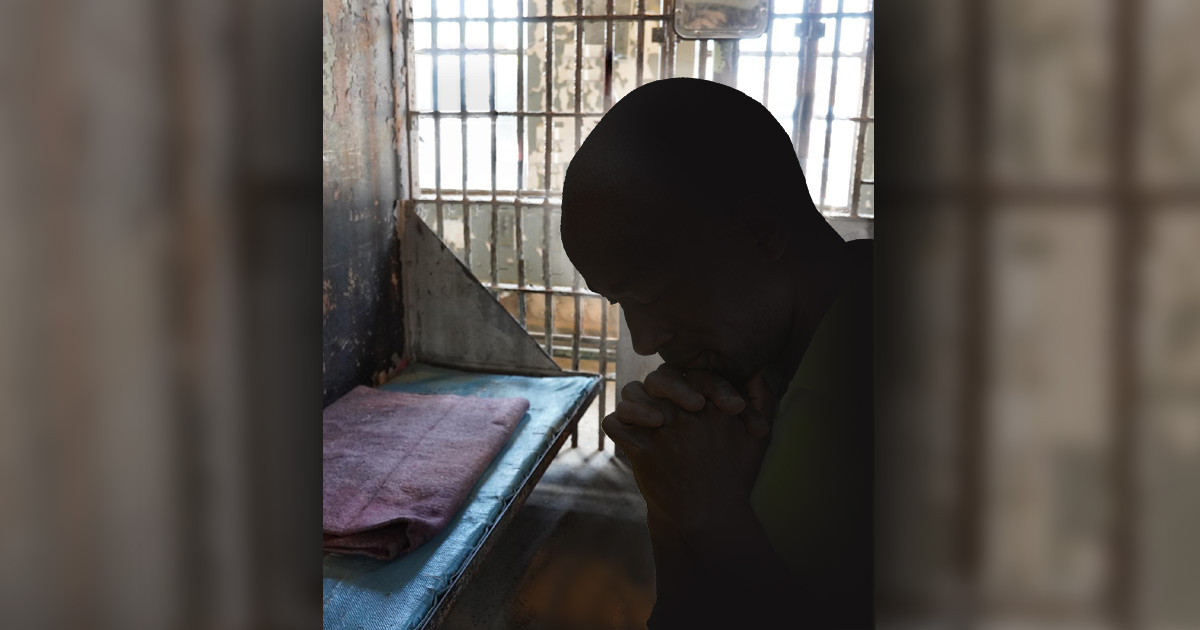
[(496, 197)]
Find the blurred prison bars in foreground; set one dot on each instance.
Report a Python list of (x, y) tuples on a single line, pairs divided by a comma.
[(1039, 384)]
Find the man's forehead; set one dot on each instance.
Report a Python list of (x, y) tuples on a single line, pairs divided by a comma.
[(625, 252), (632, 281), (611, 284)]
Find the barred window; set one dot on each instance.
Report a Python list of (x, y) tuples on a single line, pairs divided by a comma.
[(503, 92)]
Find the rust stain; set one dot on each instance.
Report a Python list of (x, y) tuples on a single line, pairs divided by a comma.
[(359, 108), (368, 34), (333, 9), (327, 305), (338, 70)]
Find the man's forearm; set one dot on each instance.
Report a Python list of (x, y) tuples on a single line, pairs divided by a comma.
[(736, 556), (715, 574), (675, 566)]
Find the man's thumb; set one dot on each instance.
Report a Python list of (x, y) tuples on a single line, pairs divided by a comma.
[(761, 397), (761, 412)]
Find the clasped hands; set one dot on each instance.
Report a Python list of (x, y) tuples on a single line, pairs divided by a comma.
[(695, 442)]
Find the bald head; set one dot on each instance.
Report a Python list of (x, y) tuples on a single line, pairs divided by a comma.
[(684, 149), (687, 205)]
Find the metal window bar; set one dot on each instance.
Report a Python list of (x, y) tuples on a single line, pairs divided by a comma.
[(766, 83), (667, 59), (805, 82), (462, 99), (863, 120), (548, 135), (437, 127), (571, 18), (578, 132), (492, 242), (519, 242), (528, 194), (608, 71), (641, 43), (833, 73)]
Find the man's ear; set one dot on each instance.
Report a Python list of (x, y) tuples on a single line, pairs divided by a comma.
[(760, 215)]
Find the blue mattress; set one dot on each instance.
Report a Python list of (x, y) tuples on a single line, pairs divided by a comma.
[(364, 593)]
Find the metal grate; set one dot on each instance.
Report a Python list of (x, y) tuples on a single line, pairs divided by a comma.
[(502, 93), (812, 49)]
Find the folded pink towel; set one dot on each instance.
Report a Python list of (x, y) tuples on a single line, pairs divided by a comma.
[(397, 466)]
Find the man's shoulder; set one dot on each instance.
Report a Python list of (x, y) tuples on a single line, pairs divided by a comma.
[(861, 286), (840, 353), (861, 253)]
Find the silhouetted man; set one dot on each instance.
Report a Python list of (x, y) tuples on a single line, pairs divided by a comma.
[(752, 445)]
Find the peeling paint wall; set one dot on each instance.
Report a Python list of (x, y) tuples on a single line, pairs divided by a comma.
[(361, 293)]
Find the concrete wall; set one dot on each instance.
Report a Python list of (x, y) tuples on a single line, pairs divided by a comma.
[(361, 293)]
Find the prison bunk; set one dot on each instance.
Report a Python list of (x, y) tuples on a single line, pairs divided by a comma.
[(458, 340)]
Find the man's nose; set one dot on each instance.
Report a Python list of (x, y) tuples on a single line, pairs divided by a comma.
[(647, 332)]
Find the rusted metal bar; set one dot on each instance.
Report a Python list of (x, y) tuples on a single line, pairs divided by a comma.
[(862, 119), (547, 279), (454, 115), (762, 53), (805, 82), (641, 42), (462, 98), (503, 286), (535, 19), (548, 135), (575, 286), (834, 14), (833, 72), (578, 75), (530, 198), (526, 198), (669, 39), (603, 362), (591, 342), (517, 209), (406, 102), (494, 240), (520, 240), (608, 71), (437, 136), (575, 340), (578, 323), (641, 16)]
